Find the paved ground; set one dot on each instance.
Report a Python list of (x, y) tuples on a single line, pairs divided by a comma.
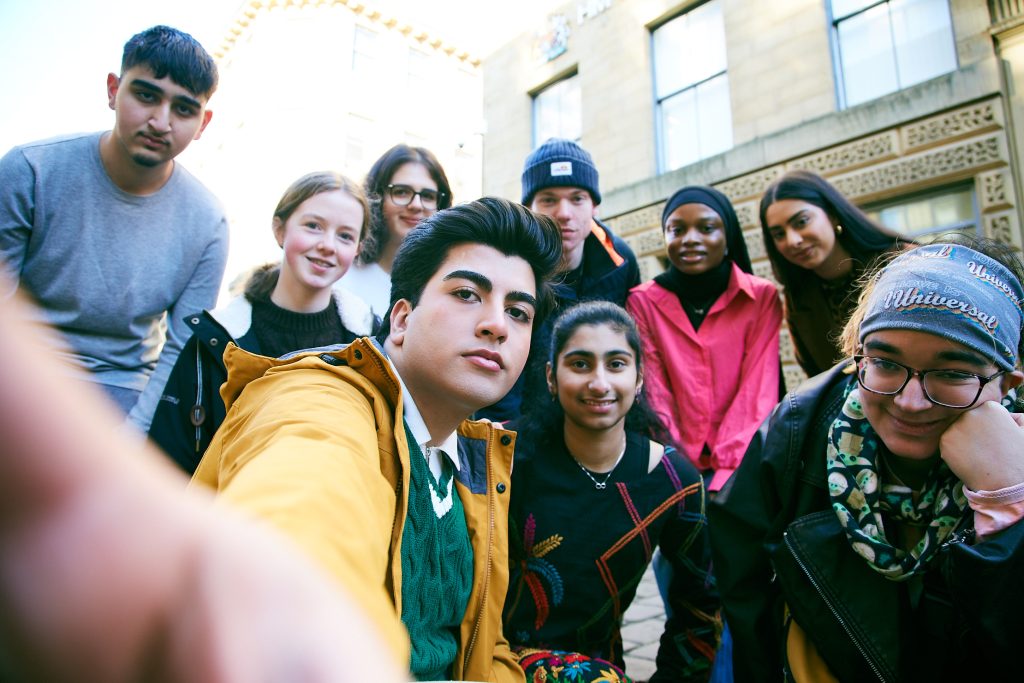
[(642, 625)]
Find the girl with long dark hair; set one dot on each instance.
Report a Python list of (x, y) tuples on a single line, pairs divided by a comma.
[(819, 244), (592, 497)]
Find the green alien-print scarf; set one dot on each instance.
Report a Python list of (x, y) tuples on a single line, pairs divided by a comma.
[(859, 497)]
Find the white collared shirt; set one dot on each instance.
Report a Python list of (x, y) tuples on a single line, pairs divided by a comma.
[(449, 446)]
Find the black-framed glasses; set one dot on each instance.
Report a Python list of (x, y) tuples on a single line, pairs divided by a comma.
[(949, 388), (402, 195)]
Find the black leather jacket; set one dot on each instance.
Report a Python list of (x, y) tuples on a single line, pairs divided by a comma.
[(777, 542)]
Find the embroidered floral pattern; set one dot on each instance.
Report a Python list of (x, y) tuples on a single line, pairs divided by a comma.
[(556, 666), (533, 569)]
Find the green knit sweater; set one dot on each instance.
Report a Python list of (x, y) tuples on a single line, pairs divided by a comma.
[(437, 569)]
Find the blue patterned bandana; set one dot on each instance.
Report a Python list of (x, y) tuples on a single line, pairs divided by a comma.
[(953, 292)]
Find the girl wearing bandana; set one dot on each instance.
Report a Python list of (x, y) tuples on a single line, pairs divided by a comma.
[(873, 531)]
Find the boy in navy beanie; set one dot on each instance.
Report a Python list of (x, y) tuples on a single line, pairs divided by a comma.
[(559, 163), (560, 180)]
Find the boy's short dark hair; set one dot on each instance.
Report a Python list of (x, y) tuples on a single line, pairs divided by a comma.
[(168, 51), (498, 223)]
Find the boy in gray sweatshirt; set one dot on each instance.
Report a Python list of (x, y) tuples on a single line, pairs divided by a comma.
[(115, 241)]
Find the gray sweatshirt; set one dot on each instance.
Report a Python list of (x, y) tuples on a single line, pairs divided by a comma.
[(116, 273)]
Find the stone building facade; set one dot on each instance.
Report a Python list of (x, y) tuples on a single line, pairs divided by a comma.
[(951, 139), (310, 85)]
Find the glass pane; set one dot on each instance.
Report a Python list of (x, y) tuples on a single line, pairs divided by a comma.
[(363, 49), (689, 49), (842, 8), (714, 116), (679, 130), (952, 210), (924, 40), (866, 51), (557, 112)]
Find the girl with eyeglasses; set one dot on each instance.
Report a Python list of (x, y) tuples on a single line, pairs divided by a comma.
[(819, 243), (873, 530), (405, 186), (592, 497)]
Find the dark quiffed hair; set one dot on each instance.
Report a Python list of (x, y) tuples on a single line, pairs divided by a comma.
[(507, 227), (864, 239), (168, 51), (376, 184), (545, 416)]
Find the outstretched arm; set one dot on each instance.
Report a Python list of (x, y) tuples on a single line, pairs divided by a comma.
[(84, 587)]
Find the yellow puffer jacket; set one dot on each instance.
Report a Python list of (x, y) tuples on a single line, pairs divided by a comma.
[(315, 445)]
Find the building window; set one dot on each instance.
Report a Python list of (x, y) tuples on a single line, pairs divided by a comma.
[(883, 46), (364, 51), (691, 86), (557, 111), (946, 210)]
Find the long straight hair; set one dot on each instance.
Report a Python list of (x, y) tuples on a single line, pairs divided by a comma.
[(862, 238)]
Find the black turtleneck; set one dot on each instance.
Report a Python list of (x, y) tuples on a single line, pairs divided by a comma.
[(280, 331), (697, 293)]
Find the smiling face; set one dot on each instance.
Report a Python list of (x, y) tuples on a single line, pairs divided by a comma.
[(401, 219), (805, 236), (908, 423), (320, 239), (573, 209), (156, 118), (695, 238), (596, 377), (466, 341)]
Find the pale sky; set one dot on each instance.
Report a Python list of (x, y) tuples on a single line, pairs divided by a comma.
[(55, 54)]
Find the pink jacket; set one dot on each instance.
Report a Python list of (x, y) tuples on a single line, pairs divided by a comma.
[(714, 386)]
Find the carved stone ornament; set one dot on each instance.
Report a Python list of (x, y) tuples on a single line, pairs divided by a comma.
[(978, 118)]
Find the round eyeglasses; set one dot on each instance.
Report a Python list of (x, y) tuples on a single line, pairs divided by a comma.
[(402, 195), (949, 388)]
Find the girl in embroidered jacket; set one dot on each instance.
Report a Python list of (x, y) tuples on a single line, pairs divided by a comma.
[(711, 334), (873, 531), (819, 244), (319, 224), (592, 497)]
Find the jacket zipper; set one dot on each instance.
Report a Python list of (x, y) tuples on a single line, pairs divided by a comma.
[(199, 392), (835, 613), (490, 558)]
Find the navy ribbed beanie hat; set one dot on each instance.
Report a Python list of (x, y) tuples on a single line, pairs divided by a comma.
[(559, 163)]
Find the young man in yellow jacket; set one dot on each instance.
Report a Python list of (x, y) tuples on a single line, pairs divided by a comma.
[(364, 456)]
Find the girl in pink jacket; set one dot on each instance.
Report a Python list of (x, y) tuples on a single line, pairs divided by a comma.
[(711, 334)]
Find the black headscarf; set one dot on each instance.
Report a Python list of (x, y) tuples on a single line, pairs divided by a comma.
[(736, 247)]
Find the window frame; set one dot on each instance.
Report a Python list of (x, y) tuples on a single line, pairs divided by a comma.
[(929, 193), (535, 95), (838, 70), (658, 99)]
